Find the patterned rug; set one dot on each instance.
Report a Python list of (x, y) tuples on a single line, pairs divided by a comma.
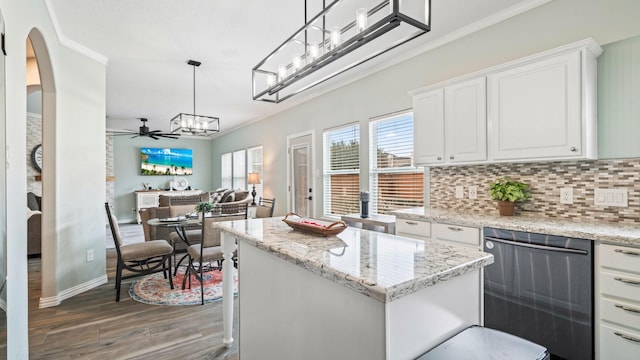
[(154, 289)]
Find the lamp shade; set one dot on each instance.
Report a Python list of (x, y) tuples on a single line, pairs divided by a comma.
[(253, 178)]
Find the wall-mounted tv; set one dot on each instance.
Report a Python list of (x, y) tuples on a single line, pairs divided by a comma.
[(166, 161)]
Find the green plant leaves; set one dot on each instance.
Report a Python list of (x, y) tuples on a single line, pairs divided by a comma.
[(507, 189)]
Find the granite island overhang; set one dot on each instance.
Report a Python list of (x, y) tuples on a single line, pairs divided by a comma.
[(359, 294)]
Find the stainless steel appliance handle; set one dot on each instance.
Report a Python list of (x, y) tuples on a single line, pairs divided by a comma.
[(536, 246), (627, 281), (627, 337)]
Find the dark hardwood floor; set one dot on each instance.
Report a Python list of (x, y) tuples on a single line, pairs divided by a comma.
[(93, 326)]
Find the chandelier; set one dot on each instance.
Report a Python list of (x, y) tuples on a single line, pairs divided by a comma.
[(199, 125), (343, 35)]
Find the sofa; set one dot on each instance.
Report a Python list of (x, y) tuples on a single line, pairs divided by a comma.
[(172, 206), (34, 224)]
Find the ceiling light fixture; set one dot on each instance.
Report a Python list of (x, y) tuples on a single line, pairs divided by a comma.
[(193, 124), (340, 37)]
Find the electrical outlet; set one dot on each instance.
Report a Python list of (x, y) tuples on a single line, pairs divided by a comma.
[(473, 192), (89, 255), (459, 192), (566, 196)]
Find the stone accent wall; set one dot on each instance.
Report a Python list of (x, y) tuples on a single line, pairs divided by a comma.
[(545, 180), (34, 137), (110, 185)]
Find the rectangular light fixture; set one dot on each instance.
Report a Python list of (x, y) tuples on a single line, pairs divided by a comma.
[(195, 124), (343, 35)]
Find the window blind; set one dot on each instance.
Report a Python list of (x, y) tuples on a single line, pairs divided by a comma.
[(394, 182), (225, 171), (239, 170), (341, 171), (254, 165)]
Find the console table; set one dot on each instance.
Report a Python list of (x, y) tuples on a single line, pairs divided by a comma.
[(149, 198)]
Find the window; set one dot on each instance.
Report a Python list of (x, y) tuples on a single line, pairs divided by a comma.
[(254, 165), (394, 182), (236, 165), (341, 175), (226, 171), (239, 170)]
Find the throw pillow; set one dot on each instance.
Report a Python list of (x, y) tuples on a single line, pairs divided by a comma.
[(231, 196)]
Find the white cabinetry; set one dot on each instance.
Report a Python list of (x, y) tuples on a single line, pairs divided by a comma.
[(456, 234), (537, 112), (450, 123), (618, 302), (414, 229), (542, 107)]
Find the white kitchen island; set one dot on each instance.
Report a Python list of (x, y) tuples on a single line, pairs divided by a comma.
[(357, 295)]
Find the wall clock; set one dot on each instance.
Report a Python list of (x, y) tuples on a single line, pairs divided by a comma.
[(36, 157)]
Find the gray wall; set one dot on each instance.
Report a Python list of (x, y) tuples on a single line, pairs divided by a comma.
[(554, 24), (126, 166)]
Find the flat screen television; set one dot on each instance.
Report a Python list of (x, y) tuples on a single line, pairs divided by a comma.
[(166, 161)]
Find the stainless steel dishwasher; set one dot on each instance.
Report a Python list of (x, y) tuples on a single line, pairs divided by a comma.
[(540, 288)]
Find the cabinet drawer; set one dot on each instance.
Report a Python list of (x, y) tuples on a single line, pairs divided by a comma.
[(620, 312), (620, 257), (619, 344), (456, 233), (620, 285), (421, 229)]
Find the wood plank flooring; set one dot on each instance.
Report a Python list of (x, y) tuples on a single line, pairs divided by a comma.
[(93, 326)]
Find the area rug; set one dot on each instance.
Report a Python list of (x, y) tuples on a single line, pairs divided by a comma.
[(154, 289)]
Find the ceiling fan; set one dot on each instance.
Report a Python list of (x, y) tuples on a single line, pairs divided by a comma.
[(144, 131)]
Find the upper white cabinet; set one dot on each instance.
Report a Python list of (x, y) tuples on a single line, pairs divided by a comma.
[(450, 123), (542, 107), (536, 111)]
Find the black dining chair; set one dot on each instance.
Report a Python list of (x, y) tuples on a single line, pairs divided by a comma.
[(265, 208), (140, 258)]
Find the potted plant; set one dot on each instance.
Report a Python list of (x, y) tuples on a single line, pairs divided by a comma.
[(507, 191), (204, 207)]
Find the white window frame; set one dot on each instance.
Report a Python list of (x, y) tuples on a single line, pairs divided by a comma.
[(327, 210)]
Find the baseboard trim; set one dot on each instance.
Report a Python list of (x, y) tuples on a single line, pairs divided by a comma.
[(68, 293)]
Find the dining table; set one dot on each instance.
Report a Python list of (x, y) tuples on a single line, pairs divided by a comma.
[(181, 224)]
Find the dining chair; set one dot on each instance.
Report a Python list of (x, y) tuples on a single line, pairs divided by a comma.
[(139, 258), (265, 207), (209, 251)]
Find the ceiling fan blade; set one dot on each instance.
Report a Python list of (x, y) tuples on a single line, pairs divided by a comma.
[(153, 136)]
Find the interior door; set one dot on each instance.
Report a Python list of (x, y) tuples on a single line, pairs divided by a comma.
[(300, 175)]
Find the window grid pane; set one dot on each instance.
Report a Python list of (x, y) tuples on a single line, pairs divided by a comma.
[(394, 182), (225, 171), (341, 164), (254, 165), (239, 170)]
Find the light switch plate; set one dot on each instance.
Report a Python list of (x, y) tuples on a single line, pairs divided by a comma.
[(611, 197), (459, 192)]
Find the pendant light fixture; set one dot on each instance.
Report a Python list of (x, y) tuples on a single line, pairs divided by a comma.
[(199, 125), (343, 35)]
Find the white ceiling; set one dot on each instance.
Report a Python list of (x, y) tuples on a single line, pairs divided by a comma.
[(147, 43)]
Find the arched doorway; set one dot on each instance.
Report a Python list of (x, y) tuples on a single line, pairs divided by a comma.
[(47, 177)]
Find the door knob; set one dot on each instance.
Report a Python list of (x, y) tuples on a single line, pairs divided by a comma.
[(310, 198)]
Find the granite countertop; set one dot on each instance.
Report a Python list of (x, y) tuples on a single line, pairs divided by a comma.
[(381, 266), (602, 231)]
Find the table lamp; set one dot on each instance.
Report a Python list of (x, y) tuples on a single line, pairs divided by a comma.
[(253, 179)]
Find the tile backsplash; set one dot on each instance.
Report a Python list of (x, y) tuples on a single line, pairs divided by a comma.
[(545, 181)]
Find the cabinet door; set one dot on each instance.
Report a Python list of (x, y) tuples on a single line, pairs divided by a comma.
[(535, 110), (428, 127), (465, 114)]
